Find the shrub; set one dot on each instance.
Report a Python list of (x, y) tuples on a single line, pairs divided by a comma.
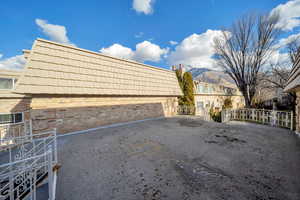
[(215, 115), (227, 103)]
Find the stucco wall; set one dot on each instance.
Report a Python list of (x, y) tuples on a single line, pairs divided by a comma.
[(69, 114), (218, 100)]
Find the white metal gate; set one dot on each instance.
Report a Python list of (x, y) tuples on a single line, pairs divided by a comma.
[(29, 160), (203, 114), (270, 117), (185, 110)]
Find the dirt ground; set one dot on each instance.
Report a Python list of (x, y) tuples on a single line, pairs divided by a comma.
[(180, 158)]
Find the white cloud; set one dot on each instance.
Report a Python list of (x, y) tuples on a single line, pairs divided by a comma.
[(173, 42), (119, 51), (57, 33), (143, 6), (15, 62), (289, 14), (279, 58), (284, 41), (1, 55), (196, 50), (145, 51), (279, 51)]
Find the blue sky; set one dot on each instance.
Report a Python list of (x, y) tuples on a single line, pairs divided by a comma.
[(140, 30)]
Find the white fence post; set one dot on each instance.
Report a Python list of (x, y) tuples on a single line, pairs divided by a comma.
[(50, 175)]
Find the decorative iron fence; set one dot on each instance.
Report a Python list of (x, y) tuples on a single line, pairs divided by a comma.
[(9, 132), (270, 117), (28, 161)]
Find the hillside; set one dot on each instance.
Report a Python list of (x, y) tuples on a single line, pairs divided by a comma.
[(211, 76)]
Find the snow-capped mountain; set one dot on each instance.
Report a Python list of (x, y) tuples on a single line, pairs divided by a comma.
[(211, 76)]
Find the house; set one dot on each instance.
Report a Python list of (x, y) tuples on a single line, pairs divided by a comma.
[(270, 90), (293, 85), (12, 104), (73, 89), (209, 95)]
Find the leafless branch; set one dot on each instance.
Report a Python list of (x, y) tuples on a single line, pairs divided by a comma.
[(244, 48)]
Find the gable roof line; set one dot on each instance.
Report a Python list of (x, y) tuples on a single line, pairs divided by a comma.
[(294, 79), (101, 54), (36, 76)]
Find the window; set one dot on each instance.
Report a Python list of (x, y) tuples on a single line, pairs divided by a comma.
[(200, 88), (7, 83), (11, 118), (210, 90), (200, 104)]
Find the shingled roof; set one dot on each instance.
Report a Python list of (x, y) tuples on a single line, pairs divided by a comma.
[(53, 68), (294, 78)]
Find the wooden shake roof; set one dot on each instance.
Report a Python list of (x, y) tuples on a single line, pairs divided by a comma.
[(53, 68), (294, 77)]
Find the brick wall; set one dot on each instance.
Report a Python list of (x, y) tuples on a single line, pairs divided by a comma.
[(69, 114)]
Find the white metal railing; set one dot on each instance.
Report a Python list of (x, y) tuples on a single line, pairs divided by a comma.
[(203, 113), (9, 132), (25, 175), (28, 160), (270, 117), (186, 110)]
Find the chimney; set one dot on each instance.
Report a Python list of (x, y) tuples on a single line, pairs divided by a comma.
[(26, 53)]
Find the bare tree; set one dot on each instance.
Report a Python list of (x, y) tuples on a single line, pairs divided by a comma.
[(276, 76), (244, 48), (294, 49)]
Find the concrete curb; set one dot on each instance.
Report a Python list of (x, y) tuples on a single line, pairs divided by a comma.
[(108, 126)]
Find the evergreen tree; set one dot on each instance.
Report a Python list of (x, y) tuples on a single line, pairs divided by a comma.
[(187, 86), (188, 89)]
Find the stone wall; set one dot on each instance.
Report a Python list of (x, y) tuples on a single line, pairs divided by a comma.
[(69, 114)]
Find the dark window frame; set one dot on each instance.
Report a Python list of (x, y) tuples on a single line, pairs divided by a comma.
[(11, 118)]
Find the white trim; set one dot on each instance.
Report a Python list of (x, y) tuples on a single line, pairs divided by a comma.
[(54, 184), (108, 126)]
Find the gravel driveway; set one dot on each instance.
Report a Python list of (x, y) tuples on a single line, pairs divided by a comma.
[(180, 158)]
